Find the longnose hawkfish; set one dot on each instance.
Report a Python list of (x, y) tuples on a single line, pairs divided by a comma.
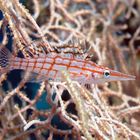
[(52, 65)]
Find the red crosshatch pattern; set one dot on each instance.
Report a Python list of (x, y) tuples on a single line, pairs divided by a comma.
[(51, 66)]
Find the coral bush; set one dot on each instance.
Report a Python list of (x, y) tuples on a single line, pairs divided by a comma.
[(103, 31)]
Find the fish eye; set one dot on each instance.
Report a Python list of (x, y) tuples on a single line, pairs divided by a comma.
[(106, 73)]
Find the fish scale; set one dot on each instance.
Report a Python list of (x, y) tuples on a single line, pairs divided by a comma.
[(51, 66)]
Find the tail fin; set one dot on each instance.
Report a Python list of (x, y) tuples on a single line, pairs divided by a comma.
[(5, 57)]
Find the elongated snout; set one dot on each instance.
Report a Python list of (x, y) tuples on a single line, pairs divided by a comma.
[(118, 76)]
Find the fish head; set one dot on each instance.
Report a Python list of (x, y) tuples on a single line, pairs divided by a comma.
[(102, 75)]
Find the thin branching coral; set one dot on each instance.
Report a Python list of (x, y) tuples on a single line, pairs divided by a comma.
[(103, 31)]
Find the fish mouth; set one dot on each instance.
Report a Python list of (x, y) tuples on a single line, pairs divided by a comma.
[(131, 77), (121, 76)]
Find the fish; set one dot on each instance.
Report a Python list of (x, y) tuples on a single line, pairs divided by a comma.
[(51, 66)]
